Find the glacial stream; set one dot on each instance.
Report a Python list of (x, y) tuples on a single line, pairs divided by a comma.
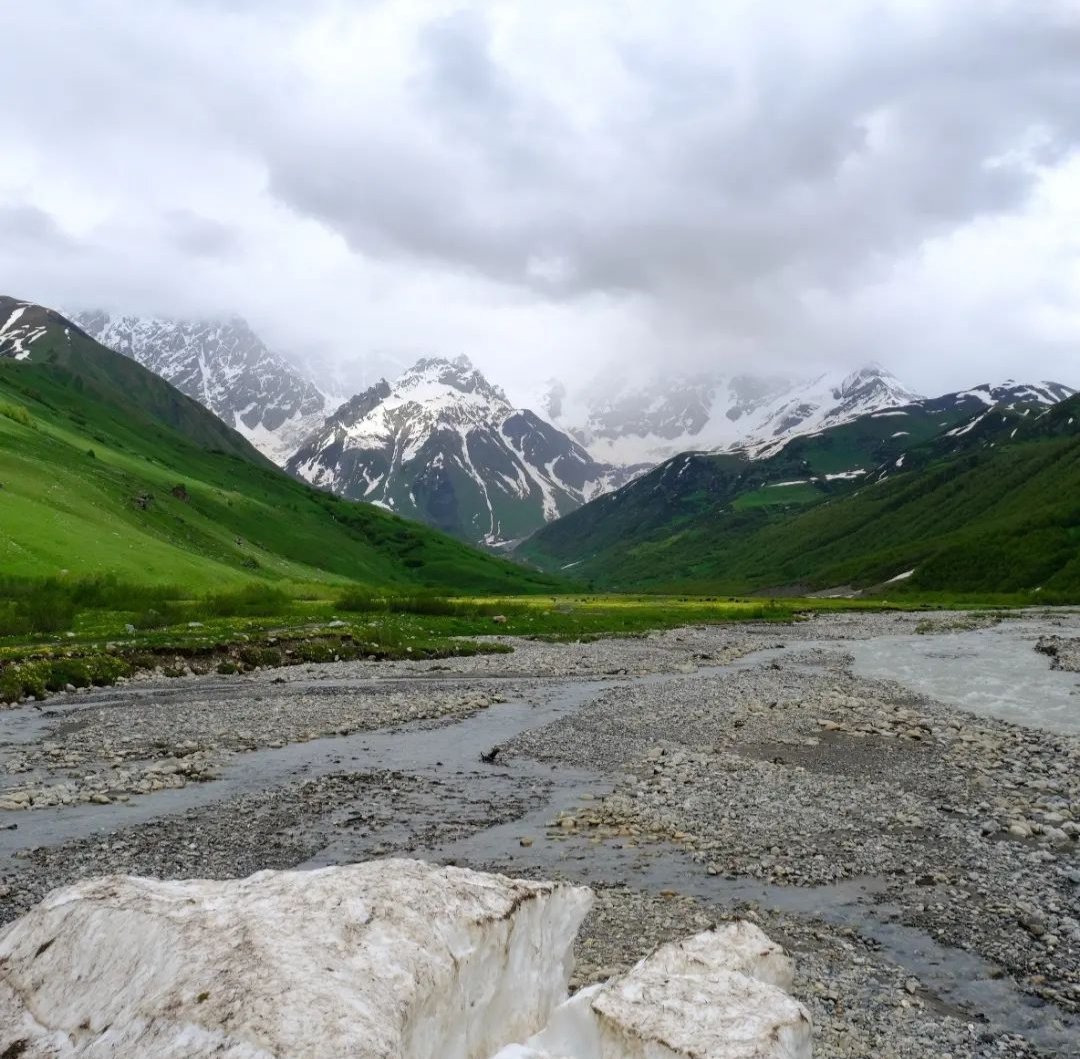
[(992, 671), (995, 672)]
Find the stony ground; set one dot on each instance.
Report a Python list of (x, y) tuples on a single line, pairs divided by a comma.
[(1063, 651), (864, 815)]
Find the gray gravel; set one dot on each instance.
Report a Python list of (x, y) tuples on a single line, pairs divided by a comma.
[(1063, 652)]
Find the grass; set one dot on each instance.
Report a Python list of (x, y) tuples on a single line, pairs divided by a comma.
[(113, 629), (779, 495)]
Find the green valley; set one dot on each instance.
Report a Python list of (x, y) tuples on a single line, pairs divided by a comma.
[(107, 469)]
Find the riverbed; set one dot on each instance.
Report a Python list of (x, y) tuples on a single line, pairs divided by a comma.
[(894, 797)]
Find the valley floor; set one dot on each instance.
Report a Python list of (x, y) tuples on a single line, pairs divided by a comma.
[(920, 860)]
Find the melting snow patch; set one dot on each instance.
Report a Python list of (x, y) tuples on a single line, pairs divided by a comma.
[(391, 959), (966, 428), (900, 577), (718, 995)]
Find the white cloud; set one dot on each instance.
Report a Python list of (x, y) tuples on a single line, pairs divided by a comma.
[(550, 188)]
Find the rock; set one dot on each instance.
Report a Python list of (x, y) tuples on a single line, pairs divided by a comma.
[(387, 958), (499, 619)]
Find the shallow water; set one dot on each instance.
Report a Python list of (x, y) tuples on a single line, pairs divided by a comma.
[(995, 672)]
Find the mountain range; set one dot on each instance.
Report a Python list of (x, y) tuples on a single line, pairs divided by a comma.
[(574, 482), (976, 491), (650, 422)]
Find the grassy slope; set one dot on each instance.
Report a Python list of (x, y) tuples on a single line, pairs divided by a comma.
[(104, 432), (1004, 518)]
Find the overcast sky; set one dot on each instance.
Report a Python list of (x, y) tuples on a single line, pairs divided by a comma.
[(554, 185)]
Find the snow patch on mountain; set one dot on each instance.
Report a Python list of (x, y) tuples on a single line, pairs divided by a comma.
[(17, 334), (648, 423)]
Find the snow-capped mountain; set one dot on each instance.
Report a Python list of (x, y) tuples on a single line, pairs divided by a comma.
[(826, 401), (227, 368), (982, 417), (1011, 394), (443, 445), (650, 423)]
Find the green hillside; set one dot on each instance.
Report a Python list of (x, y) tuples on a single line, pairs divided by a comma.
[(694, 486), (104, 467), (982, 513)]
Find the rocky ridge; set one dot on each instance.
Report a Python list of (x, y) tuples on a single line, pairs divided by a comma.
[(224, 366)]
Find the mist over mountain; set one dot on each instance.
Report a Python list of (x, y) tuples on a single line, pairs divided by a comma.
[(650, 422)]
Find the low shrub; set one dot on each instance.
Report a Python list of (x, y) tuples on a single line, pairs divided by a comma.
[(37, 677), (260, 656), (254, 599), (17, 413)]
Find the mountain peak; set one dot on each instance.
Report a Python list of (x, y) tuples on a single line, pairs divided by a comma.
[(457, 373), (443, 444), (1010, 392), (874, 376)]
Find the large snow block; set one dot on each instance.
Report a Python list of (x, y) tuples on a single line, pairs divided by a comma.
[(391, 959), (718, 995)]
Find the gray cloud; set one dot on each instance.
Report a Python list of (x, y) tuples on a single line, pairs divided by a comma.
[(753, 182), (22, 224), (199, 236), (721, 191)]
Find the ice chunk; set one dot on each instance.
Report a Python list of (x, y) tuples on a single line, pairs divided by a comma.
[(390, 959), (717, 995)]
